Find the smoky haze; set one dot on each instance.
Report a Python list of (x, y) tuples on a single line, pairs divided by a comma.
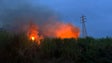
[(19, 15), (16, 13)]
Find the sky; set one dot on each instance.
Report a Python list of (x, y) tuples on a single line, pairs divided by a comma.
[(98, 13)]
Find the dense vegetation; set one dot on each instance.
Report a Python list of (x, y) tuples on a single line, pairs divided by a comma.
[(16, 48)]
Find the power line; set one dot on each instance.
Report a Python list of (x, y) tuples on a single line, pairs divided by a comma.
[(84, 31)]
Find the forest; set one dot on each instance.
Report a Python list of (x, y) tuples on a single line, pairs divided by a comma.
[(17, 48)]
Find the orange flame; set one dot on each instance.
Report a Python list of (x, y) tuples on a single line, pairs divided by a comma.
[(33, 33), (33, 38), (53, 29), (67, 31), (61, 30)]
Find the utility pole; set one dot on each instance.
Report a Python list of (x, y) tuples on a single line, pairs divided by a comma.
[(84, 32)]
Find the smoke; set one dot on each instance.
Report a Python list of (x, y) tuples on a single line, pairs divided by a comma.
[(17, 13)]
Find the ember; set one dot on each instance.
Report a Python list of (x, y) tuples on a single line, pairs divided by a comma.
[(33, 38)]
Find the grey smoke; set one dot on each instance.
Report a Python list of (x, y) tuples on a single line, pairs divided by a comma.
[(15, 13)]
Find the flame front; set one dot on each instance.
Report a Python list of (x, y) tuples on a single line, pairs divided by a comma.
[(61, 30), (56, 30), (67, 31)]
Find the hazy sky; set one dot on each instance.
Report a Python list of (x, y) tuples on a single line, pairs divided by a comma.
[(98, 13)]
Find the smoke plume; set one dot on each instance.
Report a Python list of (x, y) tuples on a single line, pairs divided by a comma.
[(16, 15)]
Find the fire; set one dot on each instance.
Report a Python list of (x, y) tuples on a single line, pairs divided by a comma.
[(61, 30), (33, 33), (56, 30), (33, 38), (67, 31)]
